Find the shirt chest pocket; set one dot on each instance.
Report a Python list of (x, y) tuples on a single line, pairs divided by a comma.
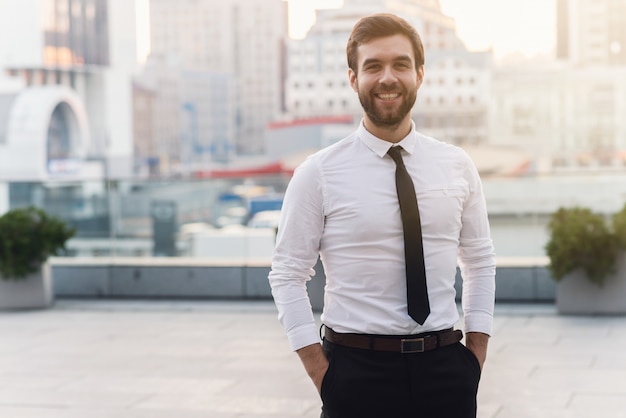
[(441, 208)]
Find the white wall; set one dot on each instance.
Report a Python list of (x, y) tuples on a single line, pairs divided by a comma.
[(233, 244), (21, 35), (118, 87)]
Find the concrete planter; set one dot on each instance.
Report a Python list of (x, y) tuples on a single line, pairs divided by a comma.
[(576, 295), (32, 292)]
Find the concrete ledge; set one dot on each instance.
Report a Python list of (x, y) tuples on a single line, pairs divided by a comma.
[(81, 280), (160, 278), (527, 280)]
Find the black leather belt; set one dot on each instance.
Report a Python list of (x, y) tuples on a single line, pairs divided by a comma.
[(404, 344)]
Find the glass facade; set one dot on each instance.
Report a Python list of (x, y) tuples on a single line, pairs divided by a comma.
[(127, 218), (76, 33)]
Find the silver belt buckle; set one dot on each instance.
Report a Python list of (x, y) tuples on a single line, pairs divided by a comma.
[(411, 345)]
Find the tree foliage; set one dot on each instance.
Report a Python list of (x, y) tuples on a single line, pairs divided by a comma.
[(619, 226), (28, 236), (581, 239)]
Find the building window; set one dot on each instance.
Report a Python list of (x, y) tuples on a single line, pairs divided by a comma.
[(59, 142), (522, 120)]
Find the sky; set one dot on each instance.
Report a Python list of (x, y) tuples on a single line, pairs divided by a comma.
[(506, 26)]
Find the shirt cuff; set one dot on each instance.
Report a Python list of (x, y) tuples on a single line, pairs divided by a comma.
[(479, 322), (303, 336)]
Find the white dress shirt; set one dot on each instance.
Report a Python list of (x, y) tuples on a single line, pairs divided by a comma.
[(342, 204)]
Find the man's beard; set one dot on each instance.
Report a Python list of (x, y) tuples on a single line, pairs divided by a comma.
[(385, 119)]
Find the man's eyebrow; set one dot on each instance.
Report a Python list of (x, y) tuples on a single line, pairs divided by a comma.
[(401, 58), (370, 61)]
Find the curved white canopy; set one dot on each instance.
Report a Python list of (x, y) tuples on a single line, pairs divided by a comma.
[(24, 155)]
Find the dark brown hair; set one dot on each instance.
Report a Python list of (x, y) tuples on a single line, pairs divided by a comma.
[(381, 25)]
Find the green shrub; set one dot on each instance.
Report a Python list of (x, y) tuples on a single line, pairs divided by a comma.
[(28, 236), (619, 226), (581, 239)]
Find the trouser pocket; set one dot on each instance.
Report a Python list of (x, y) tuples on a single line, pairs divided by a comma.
[(327, 381), (472, 361)]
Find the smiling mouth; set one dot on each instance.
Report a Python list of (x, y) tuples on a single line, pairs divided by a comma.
[(388, 96)]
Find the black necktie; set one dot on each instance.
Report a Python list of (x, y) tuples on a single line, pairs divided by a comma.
[(417, 293)]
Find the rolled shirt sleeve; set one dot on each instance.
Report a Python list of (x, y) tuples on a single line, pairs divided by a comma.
[(477, 259), (297, 249)]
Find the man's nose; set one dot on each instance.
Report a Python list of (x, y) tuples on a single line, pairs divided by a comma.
[(388, 76)]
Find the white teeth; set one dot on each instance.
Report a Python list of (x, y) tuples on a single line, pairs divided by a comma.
[(388, 96)]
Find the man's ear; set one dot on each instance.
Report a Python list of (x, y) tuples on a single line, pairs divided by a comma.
[(420, 76), (353, 81)]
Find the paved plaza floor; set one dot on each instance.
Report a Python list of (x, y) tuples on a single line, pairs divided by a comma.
[(214, 359)]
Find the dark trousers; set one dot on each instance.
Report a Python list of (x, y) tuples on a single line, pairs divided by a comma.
[(441, 383)]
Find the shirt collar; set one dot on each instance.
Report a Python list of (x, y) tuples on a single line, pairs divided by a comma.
[(380, 146)]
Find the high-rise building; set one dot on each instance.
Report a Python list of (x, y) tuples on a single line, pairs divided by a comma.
[(240, 38), (86, 46), (453, 101), (567, 118), (591, 32), (588, 92), (146, 160), (192, 115)]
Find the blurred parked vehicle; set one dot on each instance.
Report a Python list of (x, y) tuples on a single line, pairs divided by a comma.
[(265, 219)]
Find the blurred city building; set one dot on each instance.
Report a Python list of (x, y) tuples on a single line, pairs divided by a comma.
[(186, 119), (567, 113), (294, 140), (65, 105), (243, 39), (565, 118), (538, 115), (145, 148), (591, 32), (226, 107), (87, 46)]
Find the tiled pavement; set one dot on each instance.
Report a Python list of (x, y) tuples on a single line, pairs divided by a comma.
[(213, 359)]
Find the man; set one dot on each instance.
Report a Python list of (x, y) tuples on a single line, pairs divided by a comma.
[(389, 350)]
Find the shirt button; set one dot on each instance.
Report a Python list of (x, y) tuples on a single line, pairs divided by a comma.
[(445, 191)]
